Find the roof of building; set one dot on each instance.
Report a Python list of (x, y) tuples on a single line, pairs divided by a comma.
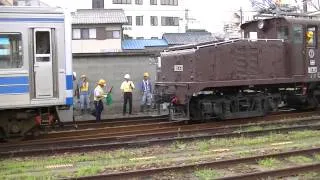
[(99, 16), (188, 38), (140, 44)]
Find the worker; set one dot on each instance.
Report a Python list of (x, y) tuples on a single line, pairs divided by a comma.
[(310, 39), (146, 92), (127, 87), (99, 95), (84, 94)]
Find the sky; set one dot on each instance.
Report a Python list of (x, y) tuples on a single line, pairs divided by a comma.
[(209, 14)]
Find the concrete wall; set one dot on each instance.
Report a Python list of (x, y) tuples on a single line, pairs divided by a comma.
[(112, 69)]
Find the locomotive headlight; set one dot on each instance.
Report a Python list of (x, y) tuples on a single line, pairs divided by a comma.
[(261, 24)]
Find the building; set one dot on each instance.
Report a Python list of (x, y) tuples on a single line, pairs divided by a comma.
[(148, 19), (22, 3), (190, 37), (97, 30)]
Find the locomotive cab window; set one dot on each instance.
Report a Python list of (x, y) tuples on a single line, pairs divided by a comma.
[(283, 33), (311, 33), (297, 34), (10, 51)]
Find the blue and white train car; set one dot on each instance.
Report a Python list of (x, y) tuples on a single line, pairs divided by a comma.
[(35, 68)]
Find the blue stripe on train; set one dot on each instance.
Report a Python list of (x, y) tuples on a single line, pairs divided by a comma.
[(14, 89), (14, 80), (69, 82), (69, 101)]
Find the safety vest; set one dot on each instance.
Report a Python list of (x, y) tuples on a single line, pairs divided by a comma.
[(84, 87), (98, 91)]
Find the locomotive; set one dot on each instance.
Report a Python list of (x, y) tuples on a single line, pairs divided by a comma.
[(274, 66), (35, 69)]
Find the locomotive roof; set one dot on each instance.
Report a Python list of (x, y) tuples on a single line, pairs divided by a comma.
[(30, 9), (305, 21)]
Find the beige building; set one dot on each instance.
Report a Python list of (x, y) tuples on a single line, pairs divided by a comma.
[(97, 30)]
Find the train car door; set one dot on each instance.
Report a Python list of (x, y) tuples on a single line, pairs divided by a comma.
[(43, 72)]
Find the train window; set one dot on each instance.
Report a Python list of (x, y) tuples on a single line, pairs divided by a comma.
[(43, 42), (283, 33), (297, 34), (311, 36), (10, 51)]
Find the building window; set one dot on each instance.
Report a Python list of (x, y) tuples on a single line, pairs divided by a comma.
[(129, 18), (121, 1), (154, 21), (139, 20), (169, 2), (10, 51), (170, 21), (154, 38), (139, 2), (84, 33), (76, 33), (113, 34), (97, 4), (139, 38), (153, 2)]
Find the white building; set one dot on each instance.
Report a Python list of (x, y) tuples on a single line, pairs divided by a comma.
[(148, 19)]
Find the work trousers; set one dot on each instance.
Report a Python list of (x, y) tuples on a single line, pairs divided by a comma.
[(146, 98), (127, 97), (84, 102), (99, 108)]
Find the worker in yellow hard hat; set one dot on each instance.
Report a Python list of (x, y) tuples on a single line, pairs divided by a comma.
[(146, 92), (310, 39), (99, 95)]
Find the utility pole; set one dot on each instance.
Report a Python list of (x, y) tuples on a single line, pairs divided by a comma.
[(241, 21), (305, 6), (186, 16)]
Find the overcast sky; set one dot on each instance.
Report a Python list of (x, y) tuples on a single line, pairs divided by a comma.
[(210, 14)]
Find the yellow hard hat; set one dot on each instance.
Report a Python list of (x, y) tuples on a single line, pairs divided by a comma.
[(146, 74), (102, 82), (309, 34)]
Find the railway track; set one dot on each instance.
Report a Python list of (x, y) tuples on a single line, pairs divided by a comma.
[(107, 128), (290, 171), (134, 138)]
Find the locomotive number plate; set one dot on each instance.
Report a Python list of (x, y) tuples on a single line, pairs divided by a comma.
[(312, 69), (178, 68)]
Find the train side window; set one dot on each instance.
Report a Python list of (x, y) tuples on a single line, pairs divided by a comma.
[(297, 34), (10, 51), (311, 36), (43, 49), (283, 33)]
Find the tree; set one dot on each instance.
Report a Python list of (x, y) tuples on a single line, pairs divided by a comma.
[(314, 4), (274, 6)]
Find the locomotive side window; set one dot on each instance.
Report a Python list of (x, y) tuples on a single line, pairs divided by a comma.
[(297, 34), (311, 36), (10, 51), (283, 33)]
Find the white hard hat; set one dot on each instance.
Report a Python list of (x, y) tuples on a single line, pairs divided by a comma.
[(127, 76)]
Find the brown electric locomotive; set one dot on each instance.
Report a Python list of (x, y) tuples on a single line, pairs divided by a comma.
[(274, 67)]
